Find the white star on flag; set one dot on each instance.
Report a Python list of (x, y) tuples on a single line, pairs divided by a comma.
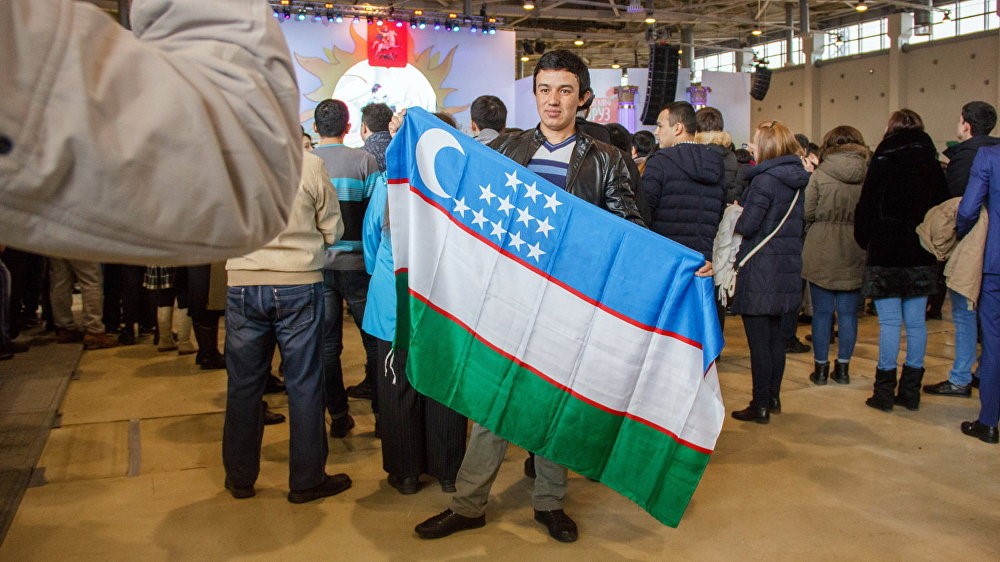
[(505, 205), (535, 250), (544, 227), (479, 218), (524, 216), (516, 241), (498, 230), (512, 181), (488, 194), (551, 202), (532, 192), (460, 207)]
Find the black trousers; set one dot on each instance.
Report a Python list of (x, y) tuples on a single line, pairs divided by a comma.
[(27, 279), (767, 356), (125, 302), (419, 435)]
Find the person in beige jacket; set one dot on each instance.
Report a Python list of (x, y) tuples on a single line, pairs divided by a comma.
[(832, 262), (276, 296), (178, 144)]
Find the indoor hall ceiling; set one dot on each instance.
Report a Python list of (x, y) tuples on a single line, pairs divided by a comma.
[(615, 31)]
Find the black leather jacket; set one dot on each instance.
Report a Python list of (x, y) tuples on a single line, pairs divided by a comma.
[(597, 171)]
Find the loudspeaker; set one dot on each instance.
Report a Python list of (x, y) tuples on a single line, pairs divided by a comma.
[(661, 87), (760, 81)]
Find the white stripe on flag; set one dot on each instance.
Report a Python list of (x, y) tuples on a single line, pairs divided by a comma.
[(575, 344)]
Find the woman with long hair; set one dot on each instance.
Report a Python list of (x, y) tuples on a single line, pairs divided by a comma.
[(832, 261), (903, 181), (769, 284)]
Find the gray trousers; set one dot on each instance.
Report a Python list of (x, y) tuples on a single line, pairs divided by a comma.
[(479, 469), (88, 274)]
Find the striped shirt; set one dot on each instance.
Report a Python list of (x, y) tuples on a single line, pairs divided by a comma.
[(551, 161), (353, 174)]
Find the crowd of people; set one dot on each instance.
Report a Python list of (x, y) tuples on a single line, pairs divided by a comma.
[(838, 222)]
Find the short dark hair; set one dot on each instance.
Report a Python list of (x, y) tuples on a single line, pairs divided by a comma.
[(589, 101), (620, 136), (561, 59), (903, 120), (447, 118), (682, 112), (980, 116), (644, 143), (743, 156), (802, 140), (709, 119), (332, 118), (489, 112), (376, 117)]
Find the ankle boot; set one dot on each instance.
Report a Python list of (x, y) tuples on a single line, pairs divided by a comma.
[(184, 345), (821, 371), (885, 385), (909, 387), (164, 325), (840, 374), (207, 334)]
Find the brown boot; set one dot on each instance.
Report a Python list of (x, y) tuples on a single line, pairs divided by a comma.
[(68, 336), (100, 340)]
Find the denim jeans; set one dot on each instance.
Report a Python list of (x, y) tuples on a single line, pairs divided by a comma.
[(256, 317), (824, 302), (340, 286), (966, 334), (893, 313)]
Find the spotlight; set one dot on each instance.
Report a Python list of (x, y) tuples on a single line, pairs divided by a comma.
[(357, 19), (422, 24), (369, 20), (756, 32), (524, 58), (285, 2), (437, 25), (287, 14), (615, 65), (649, 17), (861, 6), (452, 16), (301, 16), (399, 23), (413, 23), (947, 16), (317, 17), (455, 27), (473, 29), (418, 12), (579, 41), (339, 18), (379, 21), (528, 5), (493, 29), (328, 6), (277, 13)]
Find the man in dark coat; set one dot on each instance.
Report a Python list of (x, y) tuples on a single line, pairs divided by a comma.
[(974, 126)]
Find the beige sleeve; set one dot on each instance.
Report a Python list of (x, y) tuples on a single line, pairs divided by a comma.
[(316, 181), (179, 144)]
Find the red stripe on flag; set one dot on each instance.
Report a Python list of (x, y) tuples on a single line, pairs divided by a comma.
[(553, 382)]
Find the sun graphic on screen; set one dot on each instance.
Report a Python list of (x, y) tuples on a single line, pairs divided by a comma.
[(347, 76)]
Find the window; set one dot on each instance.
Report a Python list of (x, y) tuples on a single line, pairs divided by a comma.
[(774, 52), (951, 20), (720, 62), (855, 39)]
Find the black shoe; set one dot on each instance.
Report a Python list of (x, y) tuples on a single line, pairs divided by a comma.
[(446, 523), (820, 374), (981, 431), (15, 347), (274, 385), (240, 492), (340, 427), (273, 418), (331, 486), (361, 391), (447, 486), (774, 406), (529, 466), (754, 414), (946, 388), (804, 319), (213, 361), (405, 485), (127, 337), (5, 355), (975, 382), (934, 314), (560, 526), (841, 373), (795, 346)]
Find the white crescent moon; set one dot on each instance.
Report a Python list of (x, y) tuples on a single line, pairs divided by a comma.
[(428, 145)]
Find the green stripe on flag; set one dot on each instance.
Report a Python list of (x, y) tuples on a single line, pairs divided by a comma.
[(447, 363)]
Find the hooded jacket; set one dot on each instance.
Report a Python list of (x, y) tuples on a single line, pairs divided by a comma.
[(831, 258), (770, 283), (684, 187), (597, 172), (960, 159), (722, 141), (904, 180)]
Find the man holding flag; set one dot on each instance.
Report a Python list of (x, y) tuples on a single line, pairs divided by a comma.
[(490, 335)]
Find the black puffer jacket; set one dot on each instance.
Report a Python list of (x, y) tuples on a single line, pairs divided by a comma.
[(684, 186), (904, 180), (771, 281), (597, 171), (960, 159)]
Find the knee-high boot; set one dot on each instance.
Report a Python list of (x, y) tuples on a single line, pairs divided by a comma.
[(184, 345), (207, 334), (164, 328), (885, 385), (909, 387)]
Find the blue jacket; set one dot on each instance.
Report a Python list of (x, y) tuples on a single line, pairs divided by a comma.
[(685, 187), (380, 310), (983, 189), (771, 281)]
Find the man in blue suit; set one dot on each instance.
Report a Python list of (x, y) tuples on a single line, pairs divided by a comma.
[(984, 189)]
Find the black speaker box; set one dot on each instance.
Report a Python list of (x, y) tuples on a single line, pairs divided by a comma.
[(760, 81), (661, 88)]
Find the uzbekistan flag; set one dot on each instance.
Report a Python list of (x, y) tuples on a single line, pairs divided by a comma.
[(562, 328)]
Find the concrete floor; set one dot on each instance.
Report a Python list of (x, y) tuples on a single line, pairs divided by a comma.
[(135, 473)]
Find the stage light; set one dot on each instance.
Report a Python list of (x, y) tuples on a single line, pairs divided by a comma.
[(277, 13), (649, 17), (339, 18), (379, 21), (528, 5), (301, 15), (287, 14), (369, 20), (413, 23), (422, 24), (493, 29), (399, 23), (524, 58), (579, 41), (285, 2), (861, 6), (437, 25), (473, 29), (615, 65), (317, 17), (455, 27), (452, 16), (328, 6), (756, 32), (418, 12)]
